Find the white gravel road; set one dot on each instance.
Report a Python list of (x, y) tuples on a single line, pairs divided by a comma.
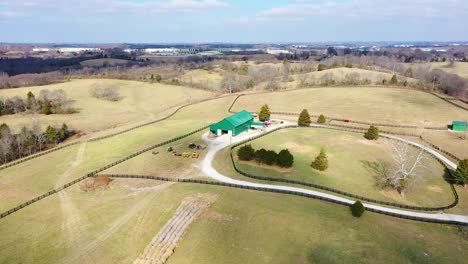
[(219, 143)]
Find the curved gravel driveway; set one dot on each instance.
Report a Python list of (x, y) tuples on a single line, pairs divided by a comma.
[(219, 143)]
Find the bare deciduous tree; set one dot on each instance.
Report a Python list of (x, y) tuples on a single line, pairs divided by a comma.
[(105, 92), (406, 161)]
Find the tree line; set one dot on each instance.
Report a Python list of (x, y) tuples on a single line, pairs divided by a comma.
[(283, 159), (29, 141), (48, 102)]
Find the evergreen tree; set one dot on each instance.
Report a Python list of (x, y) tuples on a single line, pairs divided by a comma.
[(260, 155), (52, 134), (63, 132), (47, 108), (321, 161), (264, 113), (394, 79), (271, 157), (246, 153), (321, 119), (372, 133), (461, 174), (31, 101), (357, 209), (285, 159), (304, 118)]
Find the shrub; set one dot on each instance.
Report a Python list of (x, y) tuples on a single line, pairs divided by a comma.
[(372, 133), (394, 79), (260, 155), (285, 159), (158, 78), (321, 119), (321, 67), (304, 118), (461, 174), (321, 161), (357, 209), (264, 113), (271, 157), (246, 152), (109, 93)]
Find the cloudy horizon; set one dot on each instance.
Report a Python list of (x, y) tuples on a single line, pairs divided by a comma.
[(203, 21)]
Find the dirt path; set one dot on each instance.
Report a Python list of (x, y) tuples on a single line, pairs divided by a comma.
[(83, 253), (72, 220), (162, 246)]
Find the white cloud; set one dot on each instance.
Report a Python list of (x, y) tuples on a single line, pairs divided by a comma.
[(364, 9), (92, 7)]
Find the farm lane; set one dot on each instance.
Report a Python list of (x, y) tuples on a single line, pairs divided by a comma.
[(219, 143)]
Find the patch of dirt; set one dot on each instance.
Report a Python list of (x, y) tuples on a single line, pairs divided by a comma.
[(435, 188), (162, 246), (298, 148), (100, 182)]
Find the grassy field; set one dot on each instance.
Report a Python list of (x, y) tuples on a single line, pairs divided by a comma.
[(115, 225), (141, 101), (460, 68), (347, 156), (384, 105), (450, 141), (30, 179), (210, 80)]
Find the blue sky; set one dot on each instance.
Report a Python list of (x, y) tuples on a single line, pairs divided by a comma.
[(192, 21)]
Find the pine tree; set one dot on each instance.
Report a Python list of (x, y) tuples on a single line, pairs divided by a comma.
[(321, 119), (264, 114), (461, 174), (321, 161), (357, 209), (304, 118), (47, 108), (260, 155), (271, 157), (246, 153), (52, 134), (394, 79), (285, 159), (372, 133), (31, 101)]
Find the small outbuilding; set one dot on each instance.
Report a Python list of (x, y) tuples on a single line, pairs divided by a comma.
[(460, 126), (234, 124)]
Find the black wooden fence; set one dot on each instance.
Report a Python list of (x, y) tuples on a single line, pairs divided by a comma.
[(271, 190), (333, 190), (95, 172)]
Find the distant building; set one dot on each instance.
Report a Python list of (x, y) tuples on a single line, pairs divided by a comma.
[(277, 51), (67, 49)]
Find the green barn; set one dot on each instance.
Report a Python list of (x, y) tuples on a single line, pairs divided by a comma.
[(234, 124), (459, 126)]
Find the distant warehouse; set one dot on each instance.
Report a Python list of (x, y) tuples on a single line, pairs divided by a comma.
[(234, 124), (460, 126)]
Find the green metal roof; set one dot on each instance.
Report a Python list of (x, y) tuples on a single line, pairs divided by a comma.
[(239, 118), (460, 123)]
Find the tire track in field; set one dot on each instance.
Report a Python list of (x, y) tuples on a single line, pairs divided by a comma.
[(162, 246), (72, 223), (83, 253)]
